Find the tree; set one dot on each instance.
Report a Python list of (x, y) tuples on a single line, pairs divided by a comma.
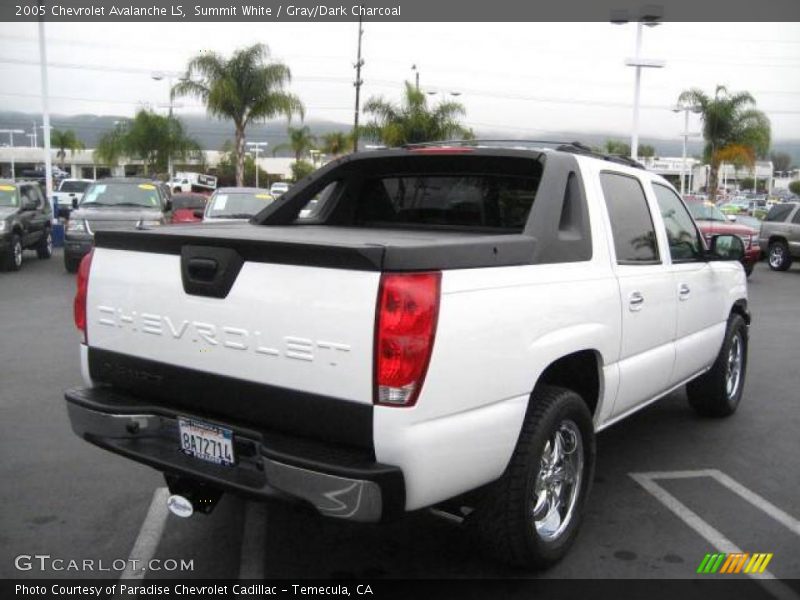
[(794, 187), (617, 148), (781, 161), (65, 140), (245, 88), (148, 137), (729, 119), (225, 169), (337, 143), (412, 121), (647, 151), (300, 169), (300, 142)]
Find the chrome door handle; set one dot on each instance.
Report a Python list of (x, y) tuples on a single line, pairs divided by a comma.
[(635, 301), (684, 291)]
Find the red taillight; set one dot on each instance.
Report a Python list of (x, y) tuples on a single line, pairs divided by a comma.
[(408, 306), (79, 306)]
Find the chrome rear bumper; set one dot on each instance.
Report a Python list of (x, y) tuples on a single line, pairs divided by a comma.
[(338, 487)]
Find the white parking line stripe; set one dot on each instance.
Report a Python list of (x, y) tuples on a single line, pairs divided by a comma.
[(149, 535), (768, 581), (762, 504), (254, 530), (773, 511)]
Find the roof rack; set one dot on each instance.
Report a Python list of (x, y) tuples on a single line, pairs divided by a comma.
[(560, 145)]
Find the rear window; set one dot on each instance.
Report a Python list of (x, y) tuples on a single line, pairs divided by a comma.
[(74, 186), (238, 205), (188, 202), (462, 201)]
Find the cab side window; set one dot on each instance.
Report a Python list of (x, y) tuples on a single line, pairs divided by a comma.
[(684, 239), (796, 218), (635, 240)]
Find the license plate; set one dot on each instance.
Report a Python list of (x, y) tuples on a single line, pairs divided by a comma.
[(207, 442)]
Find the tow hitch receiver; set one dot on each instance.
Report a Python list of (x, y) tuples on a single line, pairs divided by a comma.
[(188, 496)]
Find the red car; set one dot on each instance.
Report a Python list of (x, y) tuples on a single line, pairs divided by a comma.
[(185, 205), (712, 221)]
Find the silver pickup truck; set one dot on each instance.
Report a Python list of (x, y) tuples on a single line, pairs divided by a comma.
[(780, 235)]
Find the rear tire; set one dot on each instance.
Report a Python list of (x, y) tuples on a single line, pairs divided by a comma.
[(531, 515), (718, 392), (71, 264), (45, 247), (778, 256)]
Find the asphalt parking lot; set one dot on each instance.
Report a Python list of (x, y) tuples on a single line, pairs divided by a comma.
[(739, 476)]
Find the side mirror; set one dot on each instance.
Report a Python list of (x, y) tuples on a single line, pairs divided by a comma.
[(74, 203), (198, 214), (726, 247), (29, 204), (168, 205)]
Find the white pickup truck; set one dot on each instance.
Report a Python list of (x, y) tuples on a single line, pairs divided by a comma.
[(449, 326)]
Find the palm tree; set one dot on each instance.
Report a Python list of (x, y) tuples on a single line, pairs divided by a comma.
[(412, 121), (150, 137), (300, 142), (65, 140), (336, 143), (729, 120), (245, 88)]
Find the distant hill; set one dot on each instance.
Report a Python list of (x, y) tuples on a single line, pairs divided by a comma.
[(213, 133)]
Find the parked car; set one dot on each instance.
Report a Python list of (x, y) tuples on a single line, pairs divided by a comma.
[(451, 331), (113, 204), (69, 193), (25, 219), (780, 235), (187, 181), (237, 203), (278, 188), (188, 208), (712, 221)]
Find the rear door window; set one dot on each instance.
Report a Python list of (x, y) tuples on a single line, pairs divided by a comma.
[(631, 222), (779, 212)]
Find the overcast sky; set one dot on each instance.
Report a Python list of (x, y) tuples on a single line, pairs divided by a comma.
[(520, 78)]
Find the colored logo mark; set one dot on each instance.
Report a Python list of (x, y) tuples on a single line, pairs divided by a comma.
[(737, 562)]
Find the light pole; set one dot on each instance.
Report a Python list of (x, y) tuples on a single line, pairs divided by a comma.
[(685, 135), (11, 133), (357, 84), (256, 146), (169, 76), (48, 159), (649, 16), (416, 74)]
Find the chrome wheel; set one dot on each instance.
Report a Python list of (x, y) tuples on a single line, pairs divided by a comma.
[(776, 256), (558, 482), (17, 254), (733, 373)]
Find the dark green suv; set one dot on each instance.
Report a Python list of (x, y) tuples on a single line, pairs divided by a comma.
[(25, 219)]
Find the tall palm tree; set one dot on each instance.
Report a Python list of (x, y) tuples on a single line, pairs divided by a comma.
[(300, 142), (245, 88), (729, 120), (65, 140), (336, 143), (412, 121)]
